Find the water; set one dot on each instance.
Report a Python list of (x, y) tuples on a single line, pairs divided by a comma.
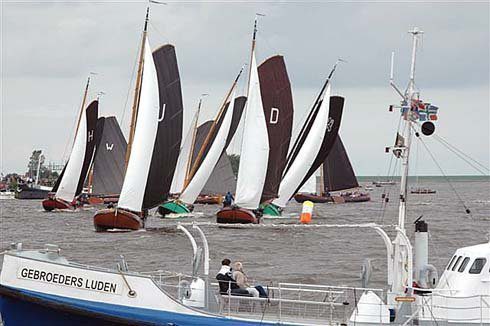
[(322, 256)]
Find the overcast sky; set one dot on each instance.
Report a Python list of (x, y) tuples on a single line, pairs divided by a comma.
[(48, 50)]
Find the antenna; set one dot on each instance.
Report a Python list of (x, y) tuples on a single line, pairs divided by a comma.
[(392, 82)]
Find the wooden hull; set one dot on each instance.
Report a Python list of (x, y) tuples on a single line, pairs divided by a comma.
[(300, 198), (53, 203), (101, 200), (236, 215), (209, 200), (106, 219)]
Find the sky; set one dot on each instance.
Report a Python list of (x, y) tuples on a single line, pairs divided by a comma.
[(49, 48)]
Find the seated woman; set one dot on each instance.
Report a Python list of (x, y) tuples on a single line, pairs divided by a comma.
[(242, 281), (227, 282)]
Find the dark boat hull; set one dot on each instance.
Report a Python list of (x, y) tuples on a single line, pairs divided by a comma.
[(300, 198), (20, 309), (26, 192), (236, 215), (107, 219), (422, 191), (54, 203)]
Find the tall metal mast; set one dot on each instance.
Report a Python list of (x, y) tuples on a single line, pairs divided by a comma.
[(402, 260), (137, 90), (410, 95)]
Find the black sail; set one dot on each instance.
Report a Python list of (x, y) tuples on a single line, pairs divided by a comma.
[(57, 183), (169, 133), (333, 125), (337, 169), (108, 175), (91, 114), (277, 102)]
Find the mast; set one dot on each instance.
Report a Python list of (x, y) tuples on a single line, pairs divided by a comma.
[(188, 176), (294, 149), (81, 108), (211, 132), (322, 182), (137, 91), (38, 168), (402, 260), (410, 95)]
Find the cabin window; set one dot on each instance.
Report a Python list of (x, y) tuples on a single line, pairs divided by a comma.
[(456, 263), (463, 264), (451, 262), (477, 266)]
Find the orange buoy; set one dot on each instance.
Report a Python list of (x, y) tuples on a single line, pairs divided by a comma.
[(306, 213)]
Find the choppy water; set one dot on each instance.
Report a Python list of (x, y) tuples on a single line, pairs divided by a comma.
[(324, 256)]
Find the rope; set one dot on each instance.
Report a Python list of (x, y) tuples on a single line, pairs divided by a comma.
[(129, 89), (467, 210), (465, 157)]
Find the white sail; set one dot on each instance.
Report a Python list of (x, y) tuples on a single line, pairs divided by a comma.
[(69, 182), (202, 175), (306, 155), (254, 154), (184, 156), (133, 189)]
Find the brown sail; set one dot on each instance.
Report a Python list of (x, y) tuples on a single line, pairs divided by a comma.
[(277, 102)]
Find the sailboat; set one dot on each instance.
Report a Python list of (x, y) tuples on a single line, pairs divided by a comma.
[(203, 158), (267, 132), (154, 140), (107, 173), (336, 175), (70, 183), (311, 147)]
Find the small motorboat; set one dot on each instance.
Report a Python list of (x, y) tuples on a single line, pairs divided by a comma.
[(422, 191), (7, 194)]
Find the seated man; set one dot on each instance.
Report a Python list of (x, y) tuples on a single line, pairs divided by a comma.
[(227, 282), (242, 281)]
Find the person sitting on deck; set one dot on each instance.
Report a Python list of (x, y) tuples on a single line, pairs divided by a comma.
[(228, 199), (242, 281), (227, 282)]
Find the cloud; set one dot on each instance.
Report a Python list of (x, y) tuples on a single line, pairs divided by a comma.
[(48, 49)]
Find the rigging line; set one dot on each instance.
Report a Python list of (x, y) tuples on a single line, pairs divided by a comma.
[(123, 113), (467, 210), (162, 35), (462, 155)]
